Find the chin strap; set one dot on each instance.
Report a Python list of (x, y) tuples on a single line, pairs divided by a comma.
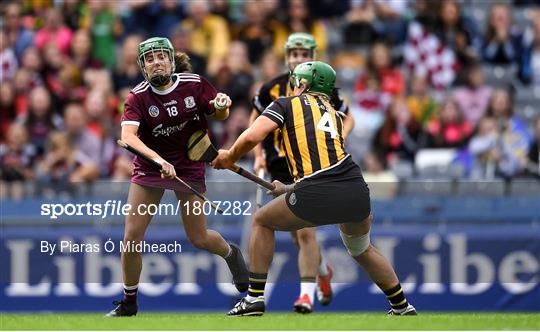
[(160, 80)]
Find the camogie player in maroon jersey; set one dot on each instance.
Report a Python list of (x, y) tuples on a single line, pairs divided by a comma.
[(160, 115)]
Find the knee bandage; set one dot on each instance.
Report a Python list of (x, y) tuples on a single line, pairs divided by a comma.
[(355, 244)]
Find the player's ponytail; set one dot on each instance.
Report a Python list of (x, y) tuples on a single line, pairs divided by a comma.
[(181, 61)]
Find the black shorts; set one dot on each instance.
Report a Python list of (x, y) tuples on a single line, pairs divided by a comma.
[(338, 195), (279, 170)]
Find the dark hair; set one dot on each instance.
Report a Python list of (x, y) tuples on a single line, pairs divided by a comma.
[(182, 64), (490, 30)]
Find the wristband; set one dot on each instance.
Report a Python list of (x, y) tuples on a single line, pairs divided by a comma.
[(289, 187)]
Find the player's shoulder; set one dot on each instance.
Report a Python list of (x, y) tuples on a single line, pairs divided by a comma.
[(140, 88), (283, 102), (278, 80), (188, 77)]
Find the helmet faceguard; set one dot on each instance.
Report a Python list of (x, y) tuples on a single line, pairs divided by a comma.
[(318, 76), (300, 40), (157, 49)]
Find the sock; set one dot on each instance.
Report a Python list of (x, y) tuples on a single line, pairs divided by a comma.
[(307, 286), (397, 299), (257, 281), (130, 293), (323, 268)]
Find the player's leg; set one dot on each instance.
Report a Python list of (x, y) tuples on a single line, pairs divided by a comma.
[(134, 229), (308, 263), (201, 237), (356, 239), (276, 215)]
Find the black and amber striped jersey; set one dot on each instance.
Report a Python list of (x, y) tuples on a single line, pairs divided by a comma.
[(312, 133), (280, 87)]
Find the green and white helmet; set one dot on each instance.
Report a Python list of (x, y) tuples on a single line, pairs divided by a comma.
[(156, 45), (319, 77), (301, 40)]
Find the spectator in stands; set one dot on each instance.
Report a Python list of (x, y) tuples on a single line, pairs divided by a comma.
[(486, 149), (422, 106), (514, 135), (234, 75), (223, 9), (17, 157), (494, 153), (502, 39), (22, 84), (360, 23), (299, 19), (54, 61), (533, 165), (166, 15), (105, 27), (70, 85), (54, 31), (449, 129), (258, 31), (41, 118), (97, 107), (400, 136), (98, 79), (210, 36), (64, 167), (237, 122), (473, 98), (391, 24), (368, 109), (76, 126), (76, 14), (426, 12), (381, 66), (270, 67), (181, 41), (137, 17), (128, 73), (458, 32), (8, 60), (17, 35), (33, 62), (7, 107), (81, 50), (529, 60), (383, 183)]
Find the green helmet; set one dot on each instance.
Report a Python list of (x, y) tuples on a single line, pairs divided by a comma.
[(301, 40), (159, 44), (319, 76)]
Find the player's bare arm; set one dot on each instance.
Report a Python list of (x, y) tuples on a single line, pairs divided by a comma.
[(129, 135), (245, 143), (259, 162), (348, 125)]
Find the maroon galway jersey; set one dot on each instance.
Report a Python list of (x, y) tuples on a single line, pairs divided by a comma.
[(166, 119)]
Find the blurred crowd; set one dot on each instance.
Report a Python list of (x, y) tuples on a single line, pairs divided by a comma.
[(68, 65)]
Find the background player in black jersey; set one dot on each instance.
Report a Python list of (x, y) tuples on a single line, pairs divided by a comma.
[(328, 189), (269, 156)]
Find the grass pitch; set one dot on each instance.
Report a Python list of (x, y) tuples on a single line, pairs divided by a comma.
[(273, 321)]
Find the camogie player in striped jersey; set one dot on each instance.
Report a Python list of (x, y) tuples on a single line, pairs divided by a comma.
[(160, 115), (315, 273), (328, 188)]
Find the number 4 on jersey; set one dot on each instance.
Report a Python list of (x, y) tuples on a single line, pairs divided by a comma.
[(326, 124)]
